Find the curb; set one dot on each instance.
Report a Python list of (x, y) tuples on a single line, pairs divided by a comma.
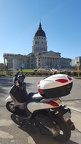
[(77, 77)]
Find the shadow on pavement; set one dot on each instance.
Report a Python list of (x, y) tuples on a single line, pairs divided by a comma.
[(35, 133), (6, 82)]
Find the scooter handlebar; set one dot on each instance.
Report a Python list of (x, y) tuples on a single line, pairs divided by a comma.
[(16, 75)]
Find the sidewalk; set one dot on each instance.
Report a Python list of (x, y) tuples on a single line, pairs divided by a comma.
[(76, 118), (75, 108)]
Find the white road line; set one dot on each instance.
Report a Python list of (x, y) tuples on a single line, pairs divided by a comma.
[(30, 140), (75, 109), (5, 122)]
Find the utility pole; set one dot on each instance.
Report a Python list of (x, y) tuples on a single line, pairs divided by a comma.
[(78, 68)]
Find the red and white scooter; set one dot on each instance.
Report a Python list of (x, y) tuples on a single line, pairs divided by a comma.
[(44, 107)]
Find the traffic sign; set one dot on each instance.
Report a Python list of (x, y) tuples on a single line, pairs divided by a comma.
[(78, 70)]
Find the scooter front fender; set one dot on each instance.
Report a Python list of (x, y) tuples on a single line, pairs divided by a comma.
[(8, 98)]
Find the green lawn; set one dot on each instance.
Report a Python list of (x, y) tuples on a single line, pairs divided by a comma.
[(24, 70), (28, 70)]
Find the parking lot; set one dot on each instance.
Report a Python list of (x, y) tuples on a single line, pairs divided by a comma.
[(11, 133)]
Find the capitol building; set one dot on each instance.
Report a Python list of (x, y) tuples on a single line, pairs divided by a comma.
[(40, 57)]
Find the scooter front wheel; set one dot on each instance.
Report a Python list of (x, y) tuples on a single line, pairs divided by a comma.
[(10, 107)]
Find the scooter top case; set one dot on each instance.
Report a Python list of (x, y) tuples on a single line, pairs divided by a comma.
[(54, 86)]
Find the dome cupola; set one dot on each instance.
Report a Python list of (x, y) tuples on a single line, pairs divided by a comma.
[(40, 32), (39, 41)]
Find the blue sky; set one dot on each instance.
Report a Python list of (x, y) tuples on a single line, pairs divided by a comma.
[(61, 21)]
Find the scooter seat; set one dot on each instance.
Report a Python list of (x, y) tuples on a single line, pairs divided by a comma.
[(37, 96), (34, 97)]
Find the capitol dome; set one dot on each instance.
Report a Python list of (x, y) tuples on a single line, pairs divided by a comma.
[(40, 32)]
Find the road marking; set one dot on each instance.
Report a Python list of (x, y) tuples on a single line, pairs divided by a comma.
[(75, 109), (5, 122), (5, 135), (30, 140)]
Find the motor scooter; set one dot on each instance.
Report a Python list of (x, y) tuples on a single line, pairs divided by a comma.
[(43, 108)]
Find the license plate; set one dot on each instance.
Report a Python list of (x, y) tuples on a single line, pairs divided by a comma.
[(66, 116)]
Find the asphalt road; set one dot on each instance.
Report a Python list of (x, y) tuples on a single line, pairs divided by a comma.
[(11, 133)]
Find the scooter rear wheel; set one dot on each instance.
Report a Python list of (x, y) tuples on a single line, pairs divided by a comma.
[(10, 107), (65, 132)]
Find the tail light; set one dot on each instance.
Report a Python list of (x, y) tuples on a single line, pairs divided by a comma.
[(38, 82), (40, 91), (52, 103)]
